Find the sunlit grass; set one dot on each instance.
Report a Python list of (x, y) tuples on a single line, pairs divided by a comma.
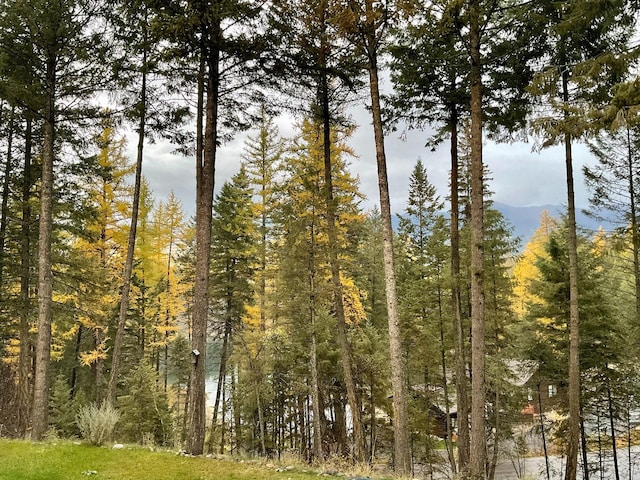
[(21, 460)]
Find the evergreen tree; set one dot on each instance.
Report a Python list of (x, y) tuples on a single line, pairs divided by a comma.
[(7, 173), (503, 399), (63, 408), (580, 36), (178, 367), (145, 411), (548, 317), (304, 262), (223, 41), (262, 157), (365, 24), (320, 63), (423, 233), (62, 54), (305, 240), (371, 345), (233, 261), (104, 245), (618, 164), (17, 256), (455, 69)]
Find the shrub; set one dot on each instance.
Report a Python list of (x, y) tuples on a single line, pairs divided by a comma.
[(97, 424)]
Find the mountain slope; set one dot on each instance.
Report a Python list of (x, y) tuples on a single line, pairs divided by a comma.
[(526, 220)]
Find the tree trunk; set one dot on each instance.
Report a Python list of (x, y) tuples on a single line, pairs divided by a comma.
[(98, 367), (167, 312), (478, 444), (493, 463), (318, 453), (45, 275), (237, 421), (629, 461), (223, 425), (574, 337), (263, 446), (339, 424), (26, 343), (462, 396), (341, 331), (599, 430), (303, 446), (544, 435), (184, 428), (4, 212), (372, 412), (73, 382), (635, 234), (131, 242), (445, 389), (401, 445), (614, 446), (205, 172), (222, 373), (585, 458)]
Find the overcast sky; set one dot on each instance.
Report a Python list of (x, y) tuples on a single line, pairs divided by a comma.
[(521, 177)]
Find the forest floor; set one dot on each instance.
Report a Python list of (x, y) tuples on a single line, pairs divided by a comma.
[(66, 460)]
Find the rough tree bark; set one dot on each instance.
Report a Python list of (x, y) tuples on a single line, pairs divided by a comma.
[(402, 449), (205, 172), (318, 453), (8, 166), (574, 336), (343, 342), (462, 395), (45, 274), (26, 341), (478, 444)]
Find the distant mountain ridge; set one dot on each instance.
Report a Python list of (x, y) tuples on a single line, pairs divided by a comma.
[(526, 220)]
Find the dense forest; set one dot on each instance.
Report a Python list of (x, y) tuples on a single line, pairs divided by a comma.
[(283, 319)]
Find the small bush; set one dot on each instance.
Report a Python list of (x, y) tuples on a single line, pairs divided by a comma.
[(97, 424)]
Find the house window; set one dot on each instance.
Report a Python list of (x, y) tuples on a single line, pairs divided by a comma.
[(553, 391)]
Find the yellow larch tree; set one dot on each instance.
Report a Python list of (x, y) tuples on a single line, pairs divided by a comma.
[(168, 220), (148, 278), (525, 270), (100, 250), (307, 288)]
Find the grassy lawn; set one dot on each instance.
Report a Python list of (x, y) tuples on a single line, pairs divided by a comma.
[(21, 460)]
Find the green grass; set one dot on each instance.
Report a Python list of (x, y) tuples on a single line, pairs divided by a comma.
[(21, 460)]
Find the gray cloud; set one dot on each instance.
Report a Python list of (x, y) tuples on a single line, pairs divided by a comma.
[(520, 176)]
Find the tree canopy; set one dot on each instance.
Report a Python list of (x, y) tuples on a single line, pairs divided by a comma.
[(284, 317)]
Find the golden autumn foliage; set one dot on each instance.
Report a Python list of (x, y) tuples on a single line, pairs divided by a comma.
[(100, 252), (352, 298), (525, 270)]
